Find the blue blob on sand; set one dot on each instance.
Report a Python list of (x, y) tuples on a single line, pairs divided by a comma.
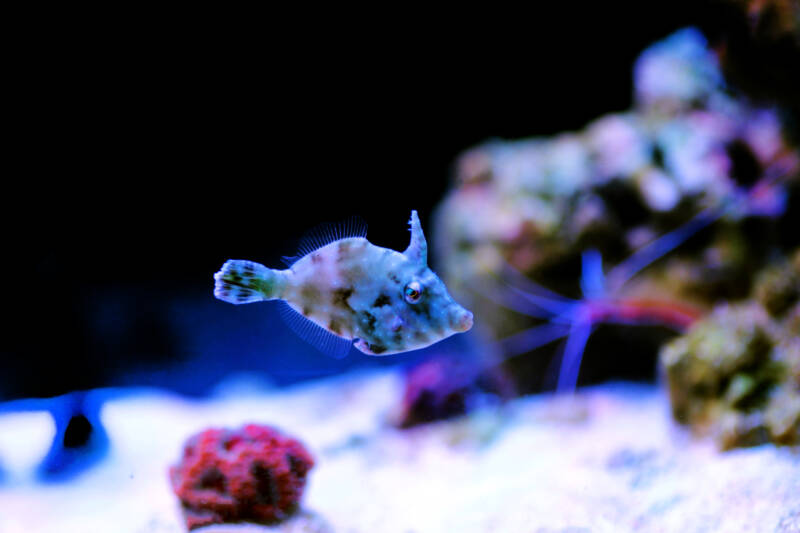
[(80, 440)]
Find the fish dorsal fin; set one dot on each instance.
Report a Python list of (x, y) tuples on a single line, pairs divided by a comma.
[(317, 336), (326, 233)]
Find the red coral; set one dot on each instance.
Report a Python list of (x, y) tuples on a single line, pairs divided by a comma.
[(254, 474)]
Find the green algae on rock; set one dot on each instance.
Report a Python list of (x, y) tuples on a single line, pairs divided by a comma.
[(777, 287), (736, 375)]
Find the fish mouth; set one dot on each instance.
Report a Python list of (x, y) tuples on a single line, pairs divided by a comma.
[(461, 320)]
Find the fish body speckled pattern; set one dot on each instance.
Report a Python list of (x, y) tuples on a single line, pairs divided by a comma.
[(344, 289)]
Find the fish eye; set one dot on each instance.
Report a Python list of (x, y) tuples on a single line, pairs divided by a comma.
[(413, 292)]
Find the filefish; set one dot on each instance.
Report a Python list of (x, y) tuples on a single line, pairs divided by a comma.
[(342, 288)]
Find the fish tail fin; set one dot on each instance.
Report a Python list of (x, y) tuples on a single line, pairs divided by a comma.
[(244, 282)]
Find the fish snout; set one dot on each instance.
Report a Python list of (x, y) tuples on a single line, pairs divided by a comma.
[(460, 319)]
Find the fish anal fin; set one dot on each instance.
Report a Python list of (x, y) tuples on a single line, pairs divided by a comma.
[(326, 233), (315, 335)]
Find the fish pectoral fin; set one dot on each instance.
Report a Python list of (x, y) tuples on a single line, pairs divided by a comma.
[(315, 335)]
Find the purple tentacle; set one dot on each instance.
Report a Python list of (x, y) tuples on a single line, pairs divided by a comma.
[(573, 354)]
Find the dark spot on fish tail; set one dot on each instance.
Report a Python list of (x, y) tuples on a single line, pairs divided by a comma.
[(306, 310), (340, 297), (376, 348), (381, 300), (263, 285), (335, 326), (368, 320)]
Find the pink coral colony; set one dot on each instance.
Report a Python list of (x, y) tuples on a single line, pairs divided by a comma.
[(251, 474)]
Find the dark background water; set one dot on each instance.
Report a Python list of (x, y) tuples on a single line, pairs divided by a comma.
[(143, 162)]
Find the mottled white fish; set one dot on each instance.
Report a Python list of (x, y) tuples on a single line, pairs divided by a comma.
[(344, 288)]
